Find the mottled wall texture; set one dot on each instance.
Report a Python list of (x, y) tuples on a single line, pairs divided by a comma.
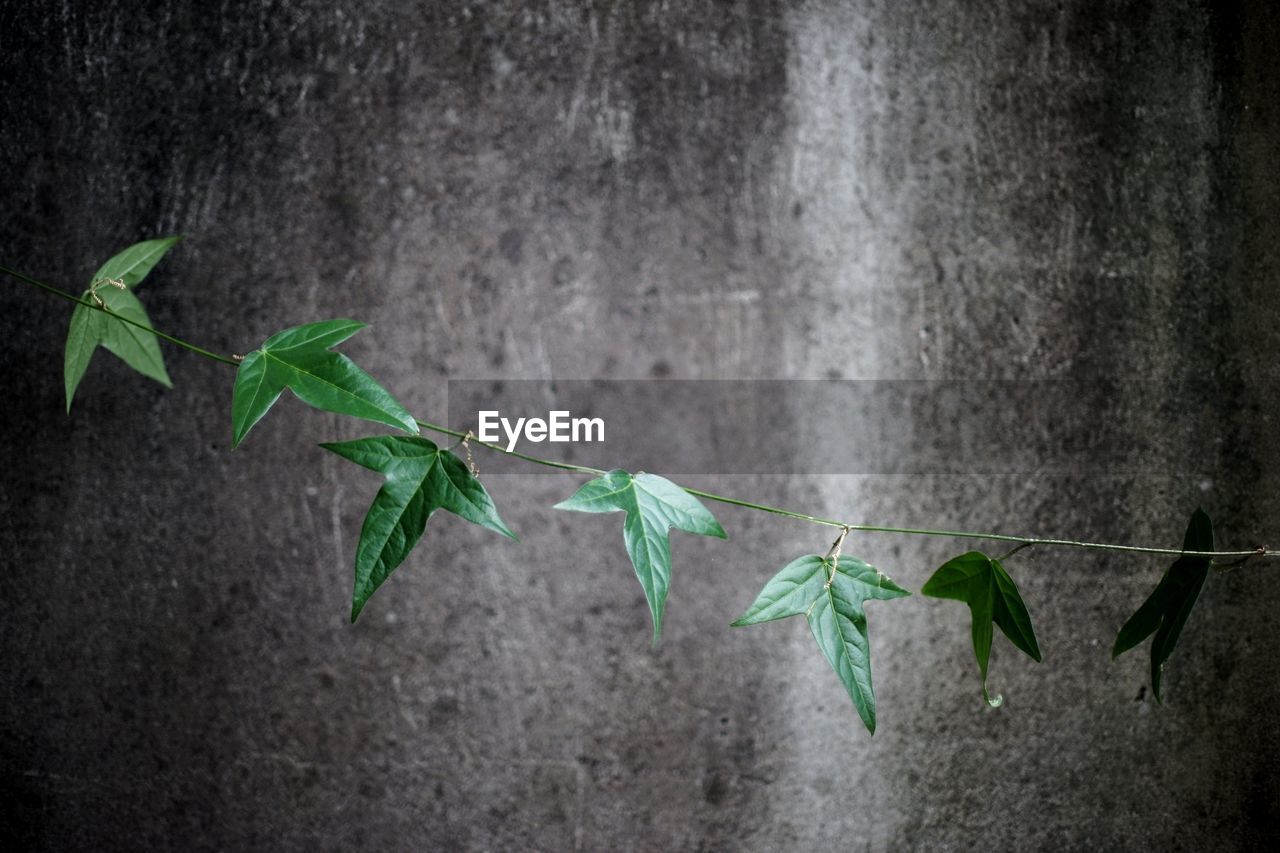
[(922, 189)]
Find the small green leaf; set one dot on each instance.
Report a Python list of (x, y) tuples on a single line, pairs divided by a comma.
[(653, 506), (835, 614), (419, 479), (993, 599), (300, 359), (1165, 611), (91, 328), (132, 265)]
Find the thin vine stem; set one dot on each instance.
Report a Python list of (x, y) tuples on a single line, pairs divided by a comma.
[(96, 307), (1019, 541), (563, 466)]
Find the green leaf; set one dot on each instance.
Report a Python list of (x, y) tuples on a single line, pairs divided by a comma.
[(133, 264), (300, 359), (1165, 611), (91, 328), (835, 614), (653, 506), (993, 599), (790, 592), (419, 479)]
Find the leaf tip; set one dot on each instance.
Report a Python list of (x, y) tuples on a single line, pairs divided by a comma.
[(887, 583), (238, 435)]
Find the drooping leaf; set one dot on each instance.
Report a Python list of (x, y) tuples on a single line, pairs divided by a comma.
[(653, 506), (91, 328), (982, 583), (835, 614), (419, 479), (1165, 611), (300, 359)]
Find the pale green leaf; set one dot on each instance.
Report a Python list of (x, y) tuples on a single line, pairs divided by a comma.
[(653, 506), (833, 604), (136, 347), (790, 592), (91, 328), (132, 265)]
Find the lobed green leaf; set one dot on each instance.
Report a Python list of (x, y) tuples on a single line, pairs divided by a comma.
[(993, 598), (653, 505), (419, 478), (300, 359), (835, 615), (91, 328)]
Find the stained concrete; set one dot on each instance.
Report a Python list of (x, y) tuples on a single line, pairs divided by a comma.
[(924, 190)]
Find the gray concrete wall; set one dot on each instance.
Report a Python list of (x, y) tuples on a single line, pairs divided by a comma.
[(940, 190)]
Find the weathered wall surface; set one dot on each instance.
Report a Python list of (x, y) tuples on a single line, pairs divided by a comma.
[(940, 190)]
